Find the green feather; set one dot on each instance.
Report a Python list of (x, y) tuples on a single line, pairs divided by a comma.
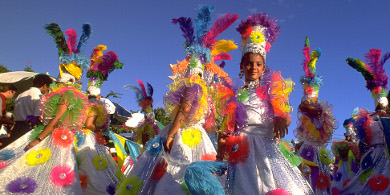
[(118, 65), (359, 66), (37, 130), (55, 31), (184, 187), (307, 42)]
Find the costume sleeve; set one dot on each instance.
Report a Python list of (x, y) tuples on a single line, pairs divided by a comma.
[(279, 91)]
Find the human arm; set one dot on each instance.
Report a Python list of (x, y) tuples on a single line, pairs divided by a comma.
[(281, 126), (181, 116), (62, 107)]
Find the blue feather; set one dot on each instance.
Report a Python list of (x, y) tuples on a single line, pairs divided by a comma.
[(138, 92), (150, 90), (82, 60), (87, 32), (202, 21), (319, 51), (200, 179), (199, 50)]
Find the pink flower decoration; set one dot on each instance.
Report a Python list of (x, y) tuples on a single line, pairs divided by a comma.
[(3, 164), (278, 191), (267, 47), (379, 183), (62, 137), (62, 175)]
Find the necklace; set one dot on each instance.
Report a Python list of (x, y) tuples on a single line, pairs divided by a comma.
[(252, 84)]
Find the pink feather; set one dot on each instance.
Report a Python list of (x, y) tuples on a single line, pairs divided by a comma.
[(108, 62), (220, 25), (372, 59), (72, 40), (306, 54), (223, 56), (142, 86)]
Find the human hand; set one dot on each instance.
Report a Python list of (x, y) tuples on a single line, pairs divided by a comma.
[(280, 127), (31, 144), (169, 143)]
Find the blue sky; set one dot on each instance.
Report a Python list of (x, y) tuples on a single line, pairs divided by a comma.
[(142, 34)]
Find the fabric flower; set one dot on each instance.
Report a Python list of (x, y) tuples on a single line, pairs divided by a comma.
[(22, 185), (130, 185), (247, 32), (242, 95), (209, 156), (257, 37), (100, 139), (154, 146), (367, 162), (278, 191), (62, 175), (379, 183), (308, 153), (80, 138), (323, 181), (289, 155), (3, 164), (159, 170), (83, 180), (100, 162), (110, 189), (335, 191), (6, 154), (236, 149), (191, 137), (38, 156), (325, 156), (62, 137), (365, 175), (338, 176)]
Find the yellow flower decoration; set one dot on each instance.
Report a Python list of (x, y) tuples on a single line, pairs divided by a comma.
[(191, 137), (129, 185), (38, 156), (257, 37), (100, 162)]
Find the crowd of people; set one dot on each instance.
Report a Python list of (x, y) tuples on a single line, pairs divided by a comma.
[(222, 139)]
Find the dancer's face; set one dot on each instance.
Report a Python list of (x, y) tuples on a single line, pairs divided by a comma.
[(253, 66)]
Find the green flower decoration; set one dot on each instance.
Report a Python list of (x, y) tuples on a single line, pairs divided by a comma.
[(242, 95), (184, 187), (289, 155), (365, 175), (37, 130), (257, 37), (325, 156), (130, 185), (193, 63), (100, 162)]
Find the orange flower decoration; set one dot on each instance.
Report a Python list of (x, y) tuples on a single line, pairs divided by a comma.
[(100, 139), (62, 137)]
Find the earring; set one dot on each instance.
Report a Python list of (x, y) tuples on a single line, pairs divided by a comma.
[(241, 74)]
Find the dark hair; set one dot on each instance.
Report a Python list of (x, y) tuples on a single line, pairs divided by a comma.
[(42, 79), (7, 87), (92, 97)]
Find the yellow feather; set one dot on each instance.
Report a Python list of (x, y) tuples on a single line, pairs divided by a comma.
[(223, 46)]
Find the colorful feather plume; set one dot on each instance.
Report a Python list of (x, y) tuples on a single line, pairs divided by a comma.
[(187, 29), (144, 99), (200, 178), (202, 21), (142, 87), (261, 18), (55, 31), (220, 25), (87, 32), (150, 89), (72, 40), (309, 67)]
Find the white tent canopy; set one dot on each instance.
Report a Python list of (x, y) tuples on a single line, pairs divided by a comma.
[(21, 79)]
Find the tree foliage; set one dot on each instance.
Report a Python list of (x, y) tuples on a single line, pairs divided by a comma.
[(28, 69), (3, 69), (114, 94), (161, 116)]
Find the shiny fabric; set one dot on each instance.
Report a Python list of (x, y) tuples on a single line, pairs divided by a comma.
[(266, 168)]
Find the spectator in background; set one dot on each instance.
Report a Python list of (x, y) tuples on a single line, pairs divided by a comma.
[(27, 106), (7, 91)]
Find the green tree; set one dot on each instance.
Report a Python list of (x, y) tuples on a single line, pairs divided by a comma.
[(11, 102), (28, 69), (161, 116), (114, 94), (3, 69)]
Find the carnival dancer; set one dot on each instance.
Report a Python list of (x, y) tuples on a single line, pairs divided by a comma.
[(316, 125), (49, 164), (162, 166), (256, 117), (347, 156), (373, 130), (97, 168)]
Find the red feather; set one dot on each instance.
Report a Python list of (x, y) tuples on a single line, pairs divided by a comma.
[(142, 86), (306, 54), (222, 56), (220, 25)]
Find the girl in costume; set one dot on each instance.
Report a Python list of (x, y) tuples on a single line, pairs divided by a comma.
[(97, 168), (316, 125), (347, 156), (372, 129), (255, 117), (146, 128), (49, 164), (162, 166)]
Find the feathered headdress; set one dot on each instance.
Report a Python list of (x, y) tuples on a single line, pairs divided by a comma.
[(144, 98), (72, 61), (258, 32), (202, 47), (310, 81), (374, 74), (101, 66)]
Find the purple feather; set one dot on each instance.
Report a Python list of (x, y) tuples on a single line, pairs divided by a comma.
[(222, 65), (108, 63), (263, 20), (376, 66), (187, 29), (385, 58), (150, 90)]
